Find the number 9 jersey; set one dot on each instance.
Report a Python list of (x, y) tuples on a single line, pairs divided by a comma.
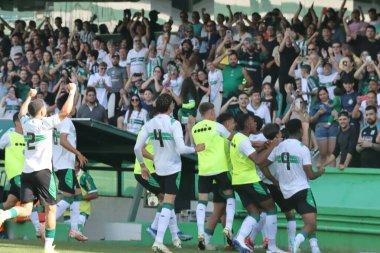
[(289, 157), (38, 134)]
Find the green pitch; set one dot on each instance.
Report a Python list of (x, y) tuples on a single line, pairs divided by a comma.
[(33, 246)]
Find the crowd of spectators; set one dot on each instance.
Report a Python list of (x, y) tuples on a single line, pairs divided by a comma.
[(322, 69)]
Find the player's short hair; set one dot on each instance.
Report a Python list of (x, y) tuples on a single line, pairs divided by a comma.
[(271, 130), (62, 100), (205, 107), (15, 117), (293, 126), (35, 106), (222, 118), (242, 119), (163, 102), (259, 122)]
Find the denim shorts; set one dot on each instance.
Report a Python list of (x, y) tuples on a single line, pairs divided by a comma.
[(323, 132)]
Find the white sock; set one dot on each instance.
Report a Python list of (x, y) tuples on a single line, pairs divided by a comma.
[(299, 239), (259, 227), (201, 215), (291, 228), (208, 237), (163, 223), (230, 212), (61, 208), (154, 224), (173, 226), (49, 243), (246, 228), (271, 224), (35, 220), (74, 215), (313, 243)]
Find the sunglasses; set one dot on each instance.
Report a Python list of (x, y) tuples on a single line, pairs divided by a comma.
[(345, 63), (16, 59), (137, 40), (102, 68), (135, 100), (311, 49)]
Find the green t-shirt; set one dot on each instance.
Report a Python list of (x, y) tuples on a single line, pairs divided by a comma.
[(22, 90), (232, 78)]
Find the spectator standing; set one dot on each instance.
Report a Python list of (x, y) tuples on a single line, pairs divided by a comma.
[(118, 76), (11, 103), (91, 108), (102, 83), (23, 86), (258, 108), (135, 59)]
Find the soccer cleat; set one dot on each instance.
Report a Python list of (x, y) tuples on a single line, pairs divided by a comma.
[(228, 233), (277, 250), (211, 247), (160, 247), (201, 242), (50, 250), (240, 246), (295, 247), (249, 243), (77, 235), (315, 250), (229, 248), (151, 231), (177, 243), (184, 237)]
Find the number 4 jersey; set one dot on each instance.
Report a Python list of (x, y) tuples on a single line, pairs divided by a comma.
[(38, 135), (62, 158), (290, 157)]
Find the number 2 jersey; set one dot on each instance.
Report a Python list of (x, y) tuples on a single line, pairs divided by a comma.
[(62, 158), (167, 139), (38, 134), (290, 157)]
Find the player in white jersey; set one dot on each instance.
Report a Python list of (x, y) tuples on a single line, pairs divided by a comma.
[(64, 153), (37, 179), (167, 138), (294, 168)]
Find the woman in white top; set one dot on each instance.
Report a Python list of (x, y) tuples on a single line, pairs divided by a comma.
[(135, 117), (11, 103)]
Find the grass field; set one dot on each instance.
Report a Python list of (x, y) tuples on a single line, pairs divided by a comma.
[(19, 246)]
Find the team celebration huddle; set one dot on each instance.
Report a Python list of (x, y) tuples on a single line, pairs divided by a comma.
[(234, 157)]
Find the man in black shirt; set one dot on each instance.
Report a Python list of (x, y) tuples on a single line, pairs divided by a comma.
[(345, 144), (365, 43), (367, 147)]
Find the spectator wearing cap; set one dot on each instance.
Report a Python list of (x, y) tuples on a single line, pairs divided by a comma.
[(136, 58), (185, 24), (102, 84), (367, 146), (374, 19), (349, 98), (364, 43), (367, 71), (252, 60), (154, 26), (345, 147), (91, 108), (233, 75)]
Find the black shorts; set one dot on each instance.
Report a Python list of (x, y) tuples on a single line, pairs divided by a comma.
[(15, 186), (217, 194), (304, 202), (169, 184), (67, 181), (278, 198), (41, 185), (205, 183), (253, 193), (151, 184)]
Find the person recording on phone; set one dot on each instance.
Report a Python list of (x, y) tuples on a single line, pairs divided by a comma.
[(362, 102)]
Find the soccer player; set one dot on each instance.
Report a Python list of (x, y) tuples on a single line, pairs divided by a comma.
[(64, 153), (219, 212), (253, 193), (14, 144), (89, 193), (37, 179), (167, 138), (294, 168), (152, 185), (212, 165)]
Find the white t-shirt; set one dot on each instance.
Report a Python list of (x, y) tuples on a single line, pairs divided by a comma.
[(289, 157), (137, 61), (136, 121), (167, 139), (98, 82), (175, 84), (245, 148), (328, 82), (262, 111), (39, 142), (215, 80), (123, 63), (11, 107), (194, 41), (62, 158)]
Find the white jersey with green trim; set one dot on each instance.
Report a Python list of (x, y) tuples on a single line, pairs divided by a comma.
[(167, 139), (63, 158), (38, 134), (290, 157)]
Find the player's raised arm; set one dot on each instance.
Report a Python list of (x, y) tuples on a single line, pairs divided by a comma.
[(68, 106), (24, 107), (180, 144)]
